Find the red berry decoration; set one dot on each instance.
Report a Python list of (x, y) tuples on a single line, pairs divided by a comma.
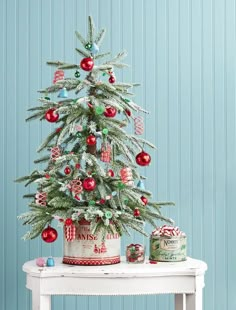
[(87, 64), (68, 222), (58, 129), (91, 140), (102, 201), (77, 166), (143, 159), (136, 212), (112, 79), (47, 176), (128, 112), (144, 200), (67, 170), (110, 112), (110, 173), (89, 184), (49, 234), (51, 116)]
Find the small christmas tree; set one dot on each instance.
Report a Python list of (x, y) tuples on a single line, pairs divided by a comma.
[(92, 161)]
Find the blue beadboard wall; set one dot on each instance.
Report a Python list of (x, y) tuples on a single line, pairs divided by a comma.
[(183, 54)]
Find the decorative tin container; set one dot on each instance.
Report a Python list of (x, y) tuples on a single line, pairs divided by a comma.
[(168, 244), (135, 253), (88, 249)]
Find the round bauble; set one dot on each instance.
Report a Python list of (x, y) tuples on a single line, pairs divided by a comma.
[(143, 159), (77, 166), (49, 234), (94, 48), (87, 64), (112, 79), (77, 74), (144, 200), (68, 222), (88, 46), (110, 112), (91, 140), (136, 212), (110, 173), (67, 170), (40, 262), (51, 116), (89, 184)]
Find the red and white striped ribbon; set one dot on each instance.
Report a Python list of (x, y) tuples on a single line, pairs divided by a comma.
[(138, 125)]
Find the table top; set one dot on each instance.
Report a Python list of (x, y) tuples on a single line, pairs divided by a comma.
[(190, 267)]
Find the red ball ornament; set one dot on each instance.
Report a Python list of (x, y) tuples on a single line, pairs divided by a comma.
[(89, 184), (110, 112), (110, 173), (77, 166), (144, 200), (136, 212), (87, 64), (68, 222), (51, 116), (112, 79), (49, 234), (67, 170), (143, 159), (91, 140)]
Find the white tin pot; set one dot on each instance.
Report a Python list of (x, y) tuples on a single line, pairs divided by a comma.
[(89, 249)]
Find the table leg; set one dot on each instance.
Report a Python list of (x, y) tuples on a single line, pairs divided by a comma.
[(41, 302), (194, 301), (179, 301)]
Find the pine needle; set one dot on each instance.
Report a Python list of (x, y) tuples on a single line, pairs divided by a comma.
[(100, 37), (79, 36)]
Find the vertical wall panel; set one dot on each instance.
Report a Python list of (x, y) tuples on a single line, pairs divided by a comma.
[(183, 54)]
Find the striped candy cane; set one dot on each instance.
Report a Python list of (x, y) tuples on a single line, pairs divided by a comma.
[(70, 232), (106, 153), (138, 125), (127, 176), (58, 75)]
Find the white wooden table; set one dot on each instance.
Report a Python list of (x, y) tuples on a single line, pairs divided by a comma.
[(184, 279)]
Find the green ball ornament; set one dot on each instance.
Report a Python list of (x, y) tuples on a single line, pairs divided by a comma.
[(88, 46), (108, 214), (77, 74), (78, 134), (126, 201), (105, 131), (92, 202), (99, 110), (104, 74), (121, 185), (127, 100)]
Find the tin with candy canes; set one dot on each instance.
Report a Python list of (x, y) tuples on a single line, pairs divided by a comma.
[(168, 244), (82, 247)]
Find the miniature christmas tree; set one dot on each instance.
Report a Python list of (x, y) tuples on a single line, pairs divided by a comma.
[(91, 161)]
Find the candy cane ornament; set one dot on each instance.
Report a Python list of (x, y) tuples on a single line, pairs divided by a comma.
[(58, 76), (138, 125), (76, 186), (127, 176), (55, 153), (40, 198), (106, 153)]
